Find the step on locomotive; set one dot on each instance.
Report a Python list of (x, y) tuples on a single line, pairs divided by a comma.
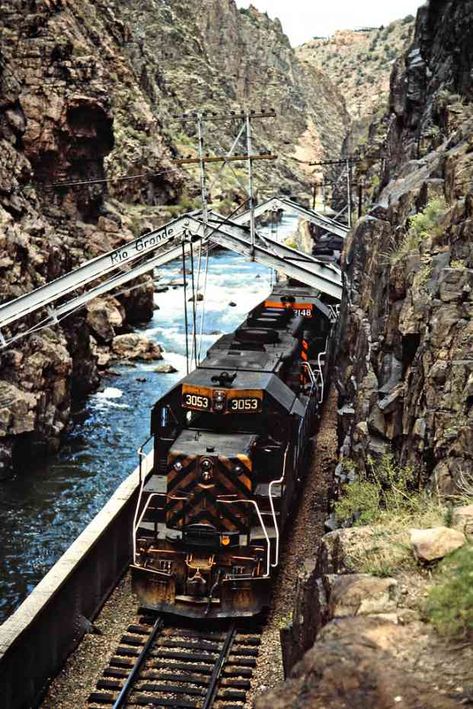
[(230, 444)]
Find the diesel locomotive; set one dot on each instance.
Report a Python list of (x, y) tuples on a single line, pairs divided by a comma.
[(230, 442)]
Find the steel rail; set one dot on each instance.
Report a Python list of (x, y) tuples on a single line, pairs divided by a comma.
[(217, 670), (128, 686)]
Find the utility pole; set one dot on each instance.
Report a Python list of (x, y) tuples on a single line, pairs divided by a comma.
[(348, 169), (203, 188), (360, 196), (251, 202), (244, 118)]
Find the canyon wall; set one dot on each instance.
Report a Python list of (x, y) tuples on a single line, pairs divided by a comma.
[(64, 90), (405, 369), (88, 91)]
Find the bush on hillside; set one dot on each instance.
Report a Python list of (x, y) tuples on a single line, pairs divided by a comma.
[(450, 603)]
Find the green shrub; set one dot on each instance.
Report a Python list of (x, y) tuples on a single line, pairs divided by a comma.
[(385, 487), (450, 603), (384, 497), (421, 226)]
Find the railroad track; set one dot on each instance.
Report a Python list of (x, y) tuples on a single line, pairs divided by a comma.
[(180, 667)]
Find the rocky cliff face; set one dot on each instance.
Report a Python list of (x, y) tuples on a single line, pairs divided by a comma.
[(359, 63), (405, 371), (88, 91), (64, 89), (208, 55)]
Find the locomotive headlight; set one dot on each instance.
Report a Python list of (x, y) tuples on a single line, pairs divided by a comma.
[(219, 400), (206, 466), (238, 469), (178, 466)]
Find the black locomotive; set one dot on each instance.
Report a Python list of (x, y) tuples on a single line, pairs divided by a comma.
[(230, 441)]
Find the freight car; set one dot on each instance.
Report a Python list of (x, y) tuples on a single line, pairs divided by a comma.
[(230, 443)]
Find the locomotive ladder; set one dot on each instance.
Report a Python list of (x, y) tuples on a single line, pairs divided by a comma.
[(104, 273)]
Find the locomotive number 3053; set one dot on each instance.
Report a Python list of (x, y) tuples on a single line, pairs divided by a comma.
[(244, 404), (197, 401)]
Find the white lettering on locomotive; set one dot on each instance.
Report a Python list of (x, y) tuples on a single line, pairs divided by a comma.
[(244, 404), (303, 312), (197, 402)]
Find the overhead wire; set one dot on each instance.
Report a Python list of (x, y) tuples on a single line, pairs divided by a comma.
[(186, 322), (194, 321)]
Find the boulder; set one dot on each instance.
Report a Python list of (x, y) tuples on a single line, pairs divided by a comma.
[(165, 369), (350, 666), (135, 346), (340, 550), (463, 519), (435, 543), (362, 594), (103, 316)]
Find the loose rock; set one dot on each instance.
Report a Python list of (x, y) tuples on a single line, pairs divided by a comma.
[(362, 594), (463, 519), (435, 543)]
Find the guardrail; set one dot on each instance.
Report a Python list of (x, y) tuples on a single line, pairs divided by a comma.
[(36, 640)]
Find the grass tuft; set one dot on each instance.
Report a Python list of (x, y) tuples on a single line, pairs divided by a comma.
[(450, 603), (421, 226)]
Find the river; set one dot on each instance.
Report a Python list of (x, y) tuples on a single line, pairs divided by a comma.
[(43, 510)]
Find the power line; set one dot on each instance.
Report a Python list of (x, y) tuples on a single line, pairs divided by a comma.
[(178, 161)]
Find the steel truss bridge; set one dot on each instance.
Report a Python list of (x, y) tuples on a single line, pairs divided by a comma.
[(113, 269)]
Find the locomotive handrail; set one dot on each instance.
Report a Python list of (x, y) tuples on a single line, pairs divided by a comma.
[(320, 365), (266, 536), (141, 455), (310, 372), (136, 525), (273, 512)]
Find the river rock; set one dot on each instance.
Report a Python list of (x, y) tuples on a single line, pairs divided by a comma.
[(435, 543), (165, 369), (362, 594), (463, 519), (135, 346)]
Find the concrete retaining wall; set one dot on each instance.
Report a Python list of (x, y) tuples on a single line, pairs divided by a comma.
[(38, 637)]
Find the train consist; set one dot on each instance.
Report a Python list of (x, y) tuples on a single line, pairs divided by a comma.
[(230, 442)]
